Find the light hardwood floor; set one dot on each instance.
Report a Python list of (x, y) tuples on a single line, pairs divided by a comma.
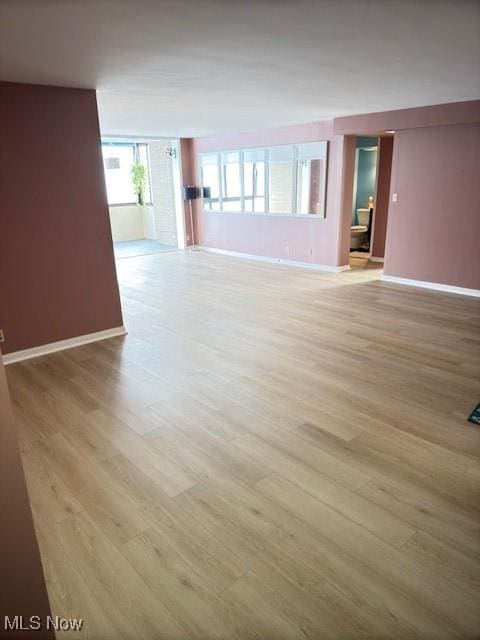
[(271, 453)]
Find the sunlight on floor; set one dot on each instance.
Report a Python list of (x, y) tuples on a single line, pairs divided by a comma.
[(132, 248)]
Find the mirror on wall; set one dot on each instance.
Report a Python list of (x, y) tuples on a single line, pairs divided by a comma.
[(311, 178), (278, 180), (281, 179)]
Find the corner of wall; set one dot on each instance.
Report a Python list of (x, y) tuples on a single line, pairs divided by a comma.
[(346, 198)]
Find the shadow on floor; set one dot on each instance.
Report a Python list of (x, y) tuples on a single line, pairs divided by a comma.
[(132, 248)]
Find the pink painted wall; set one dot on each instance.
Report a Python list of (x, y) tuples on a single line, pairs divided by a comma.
[(57, 270), (382, 196), (310, 239), (434, 228), (431, 116), (432, 231)]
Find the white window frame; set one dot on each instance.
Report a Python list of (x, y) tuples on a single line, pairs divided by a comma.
[(106, 142)]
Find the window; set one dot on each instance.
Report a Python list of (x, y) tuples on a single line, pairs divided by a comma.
[(231, 181), (280, 179), (118, 158), (142, 158), (211, 178), (286, 179), (254, 180)]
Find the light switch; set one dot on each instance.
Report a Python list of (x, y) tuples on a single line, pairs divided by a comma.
[(394, 197)]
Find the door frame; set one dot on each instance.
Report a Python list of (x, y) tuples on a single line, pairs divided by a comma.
[(366, 254)]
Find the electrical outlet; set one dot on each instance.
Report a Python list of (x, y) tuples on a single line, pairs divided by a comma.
[(287, 248), (395, 197), (2, 336)]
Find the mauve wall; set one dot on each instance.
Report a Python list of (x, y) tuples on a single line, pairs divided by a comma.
[(431, 116), (57, 270), (22, 584), (383, 196), (434, 228), (303, 239)]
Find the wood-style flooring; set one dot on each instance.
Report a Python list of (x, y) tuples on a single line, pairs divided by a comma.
[(272, 453)]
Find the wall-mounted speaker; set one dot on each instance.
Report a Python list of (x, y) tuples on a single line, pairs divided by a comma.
[(206, 193), (190, 193)]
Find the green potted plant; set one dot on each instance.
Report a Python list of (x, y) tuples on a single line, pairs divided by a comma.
[(139, 180)]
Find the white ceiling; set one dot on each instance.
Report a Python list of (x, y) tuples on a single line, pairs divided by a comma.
[(196, 67)]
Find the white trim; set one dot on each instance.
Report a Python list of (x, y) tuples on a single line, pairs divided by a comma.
[(120, 137), (291, 263), (44, 349), (259, 214), (375, 259), (437, 286)]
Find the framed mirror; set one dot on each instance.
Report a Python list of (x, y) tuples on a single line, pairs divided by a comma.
[(278, 180)]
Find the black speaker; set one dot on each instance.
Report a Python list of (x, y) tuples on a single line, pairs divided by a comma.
[(190, 193), (206, 193)]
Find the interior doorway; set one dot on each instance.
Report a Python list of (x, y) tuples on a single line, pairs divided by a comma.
[(371, 188), (143, 181), (364, 191)]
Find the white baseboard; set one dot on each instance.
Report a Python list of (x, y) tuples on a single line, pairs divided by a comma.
[(44, 349), (375, 259), (290, 263), (436, 286)]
